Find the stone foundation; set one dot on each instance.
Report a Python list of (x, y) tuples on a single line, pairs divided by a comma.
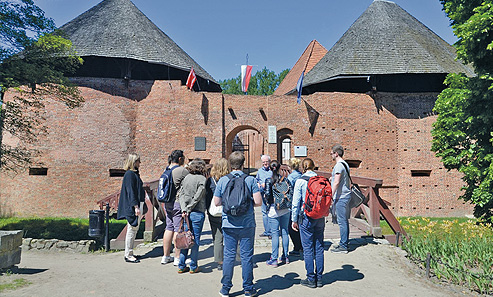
[(81, 246), (10, 251)]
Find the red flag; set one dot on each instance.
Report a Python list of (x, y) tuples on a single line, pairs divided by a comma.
[(246, 74), (191, 79)]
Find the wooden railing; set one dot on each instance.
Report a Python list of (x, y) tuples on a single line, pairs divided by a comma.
[(365, 217), (154, 214)]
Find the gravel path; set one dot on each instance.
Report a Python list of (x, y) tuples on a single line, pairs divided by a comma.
[(371, 269)]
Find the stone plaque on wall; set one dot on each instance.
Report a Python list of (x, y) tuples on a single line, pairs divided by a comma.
[(200, 143)]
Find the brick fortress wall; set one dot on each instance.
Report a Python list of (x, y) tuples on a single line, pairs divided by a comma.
[(155, 117)]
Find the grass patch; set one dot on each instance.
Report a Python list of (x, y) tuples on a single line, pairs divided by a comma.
[(15, 284), (412, 224), (461, 249), (70, 229)]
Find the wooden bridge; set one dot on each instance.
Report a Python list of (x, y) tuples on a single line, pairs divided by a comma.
[(365, 219)]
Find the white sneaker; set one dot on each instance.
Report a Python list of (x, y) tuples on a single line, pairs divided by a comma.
[(176, 262), (166, 259)]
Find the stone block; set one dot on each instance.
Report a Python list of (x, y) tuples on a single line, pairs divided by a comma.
[(49, 243), (148, 236), (61, 244), (10, 251), (27, 242), (40, 244)]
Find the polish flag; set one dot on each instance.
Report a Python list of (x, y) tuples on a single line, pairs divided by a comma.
[(191, 79), (246, 74)]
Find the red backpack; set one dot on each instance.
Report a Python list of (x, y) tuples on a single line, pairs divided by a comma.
[(318, 197)]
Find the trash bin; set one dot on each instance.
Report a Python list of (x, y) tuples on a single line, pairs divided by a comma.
[(96, 223)]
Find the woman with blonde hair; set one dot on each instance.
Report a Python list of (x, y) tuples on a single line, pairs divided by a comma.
[(294, 163), (130, 204), (191, 196), (219, 169)]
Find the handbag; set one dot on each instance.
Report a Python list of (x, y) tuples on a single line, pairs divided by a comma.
[(184, 239), (357, 197), (215, 211)]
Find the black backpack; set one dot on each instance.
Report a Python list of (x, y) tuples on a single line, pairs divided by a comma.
[(236, 198), (282, 194), (166, 191)]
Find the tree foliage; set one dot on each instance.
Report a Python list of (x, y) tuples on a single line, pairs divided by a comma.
[(463, 132), (264, 82), (34, 62)]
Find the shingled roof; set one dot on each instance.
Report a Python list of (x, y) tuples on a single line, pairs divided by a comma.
[(118, 29), (386, 39), (310, 57)]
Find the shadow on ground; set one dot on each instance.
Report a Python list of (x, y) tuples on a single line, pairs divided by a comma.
[(26, 271), (347, 274)]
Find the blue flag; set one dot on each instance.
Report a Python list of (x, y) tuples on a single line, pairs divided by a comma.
[(299, 86)]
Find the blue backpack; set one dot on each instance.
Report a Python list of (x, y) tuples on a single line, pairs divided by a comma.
[(166, 191), (236, 198)]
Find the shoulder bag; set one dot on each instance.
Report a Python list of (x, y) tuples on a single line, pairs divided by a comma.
[(357, 197), (215, 211)]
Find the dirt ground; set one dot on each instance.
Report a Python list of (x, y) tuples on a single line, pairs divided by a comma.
[(371, 269)]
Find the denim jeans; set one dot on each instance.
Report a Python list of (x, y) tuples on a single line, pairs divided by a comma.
[(281, 222), (342, 213), (231, 237), (265, 218), (196, 223), (312, 239)]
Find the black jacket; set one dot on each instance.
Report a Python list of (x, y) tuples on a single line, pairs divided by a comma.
[(132, 193), (210, 187)]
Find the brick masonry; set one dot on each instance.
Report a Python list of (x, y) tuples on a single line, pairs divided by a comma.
[(388, 133)]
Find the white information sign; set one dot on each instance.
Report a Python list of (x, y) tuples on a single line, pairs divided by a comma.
[(300, 151), (272, 134)]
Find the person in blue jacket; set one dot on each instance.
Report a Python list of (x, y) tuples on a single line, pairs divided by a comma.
[(311, 230)]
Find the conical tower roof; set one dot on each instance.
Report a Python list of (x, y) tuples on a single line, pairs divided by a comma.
[(118, 29), (310, 57), (386, 39)]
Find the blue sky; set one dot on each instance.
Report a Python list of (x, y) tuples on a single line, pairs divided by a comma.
[(218, 34)]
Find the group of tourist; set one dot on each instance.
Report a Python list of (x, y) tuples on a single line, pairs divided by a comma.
[(233, 227)]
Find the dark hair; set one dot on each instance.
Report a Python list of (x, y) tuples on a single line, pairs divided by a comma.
[(274, 166), (307, 164), (236, 160), (338, 149), (197, 166), (175, 156)]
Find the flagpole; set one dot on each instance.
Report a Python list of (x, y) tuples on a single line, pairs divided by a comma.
[(246, 93)]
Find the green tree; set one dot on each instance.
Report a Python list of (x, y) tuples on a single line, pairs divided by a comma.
[(34, 59), (463, 132), (263, 82), (231, 86)]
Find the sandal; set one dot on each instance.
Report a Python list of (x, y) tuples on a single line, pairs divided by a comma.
[(132, 260)]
